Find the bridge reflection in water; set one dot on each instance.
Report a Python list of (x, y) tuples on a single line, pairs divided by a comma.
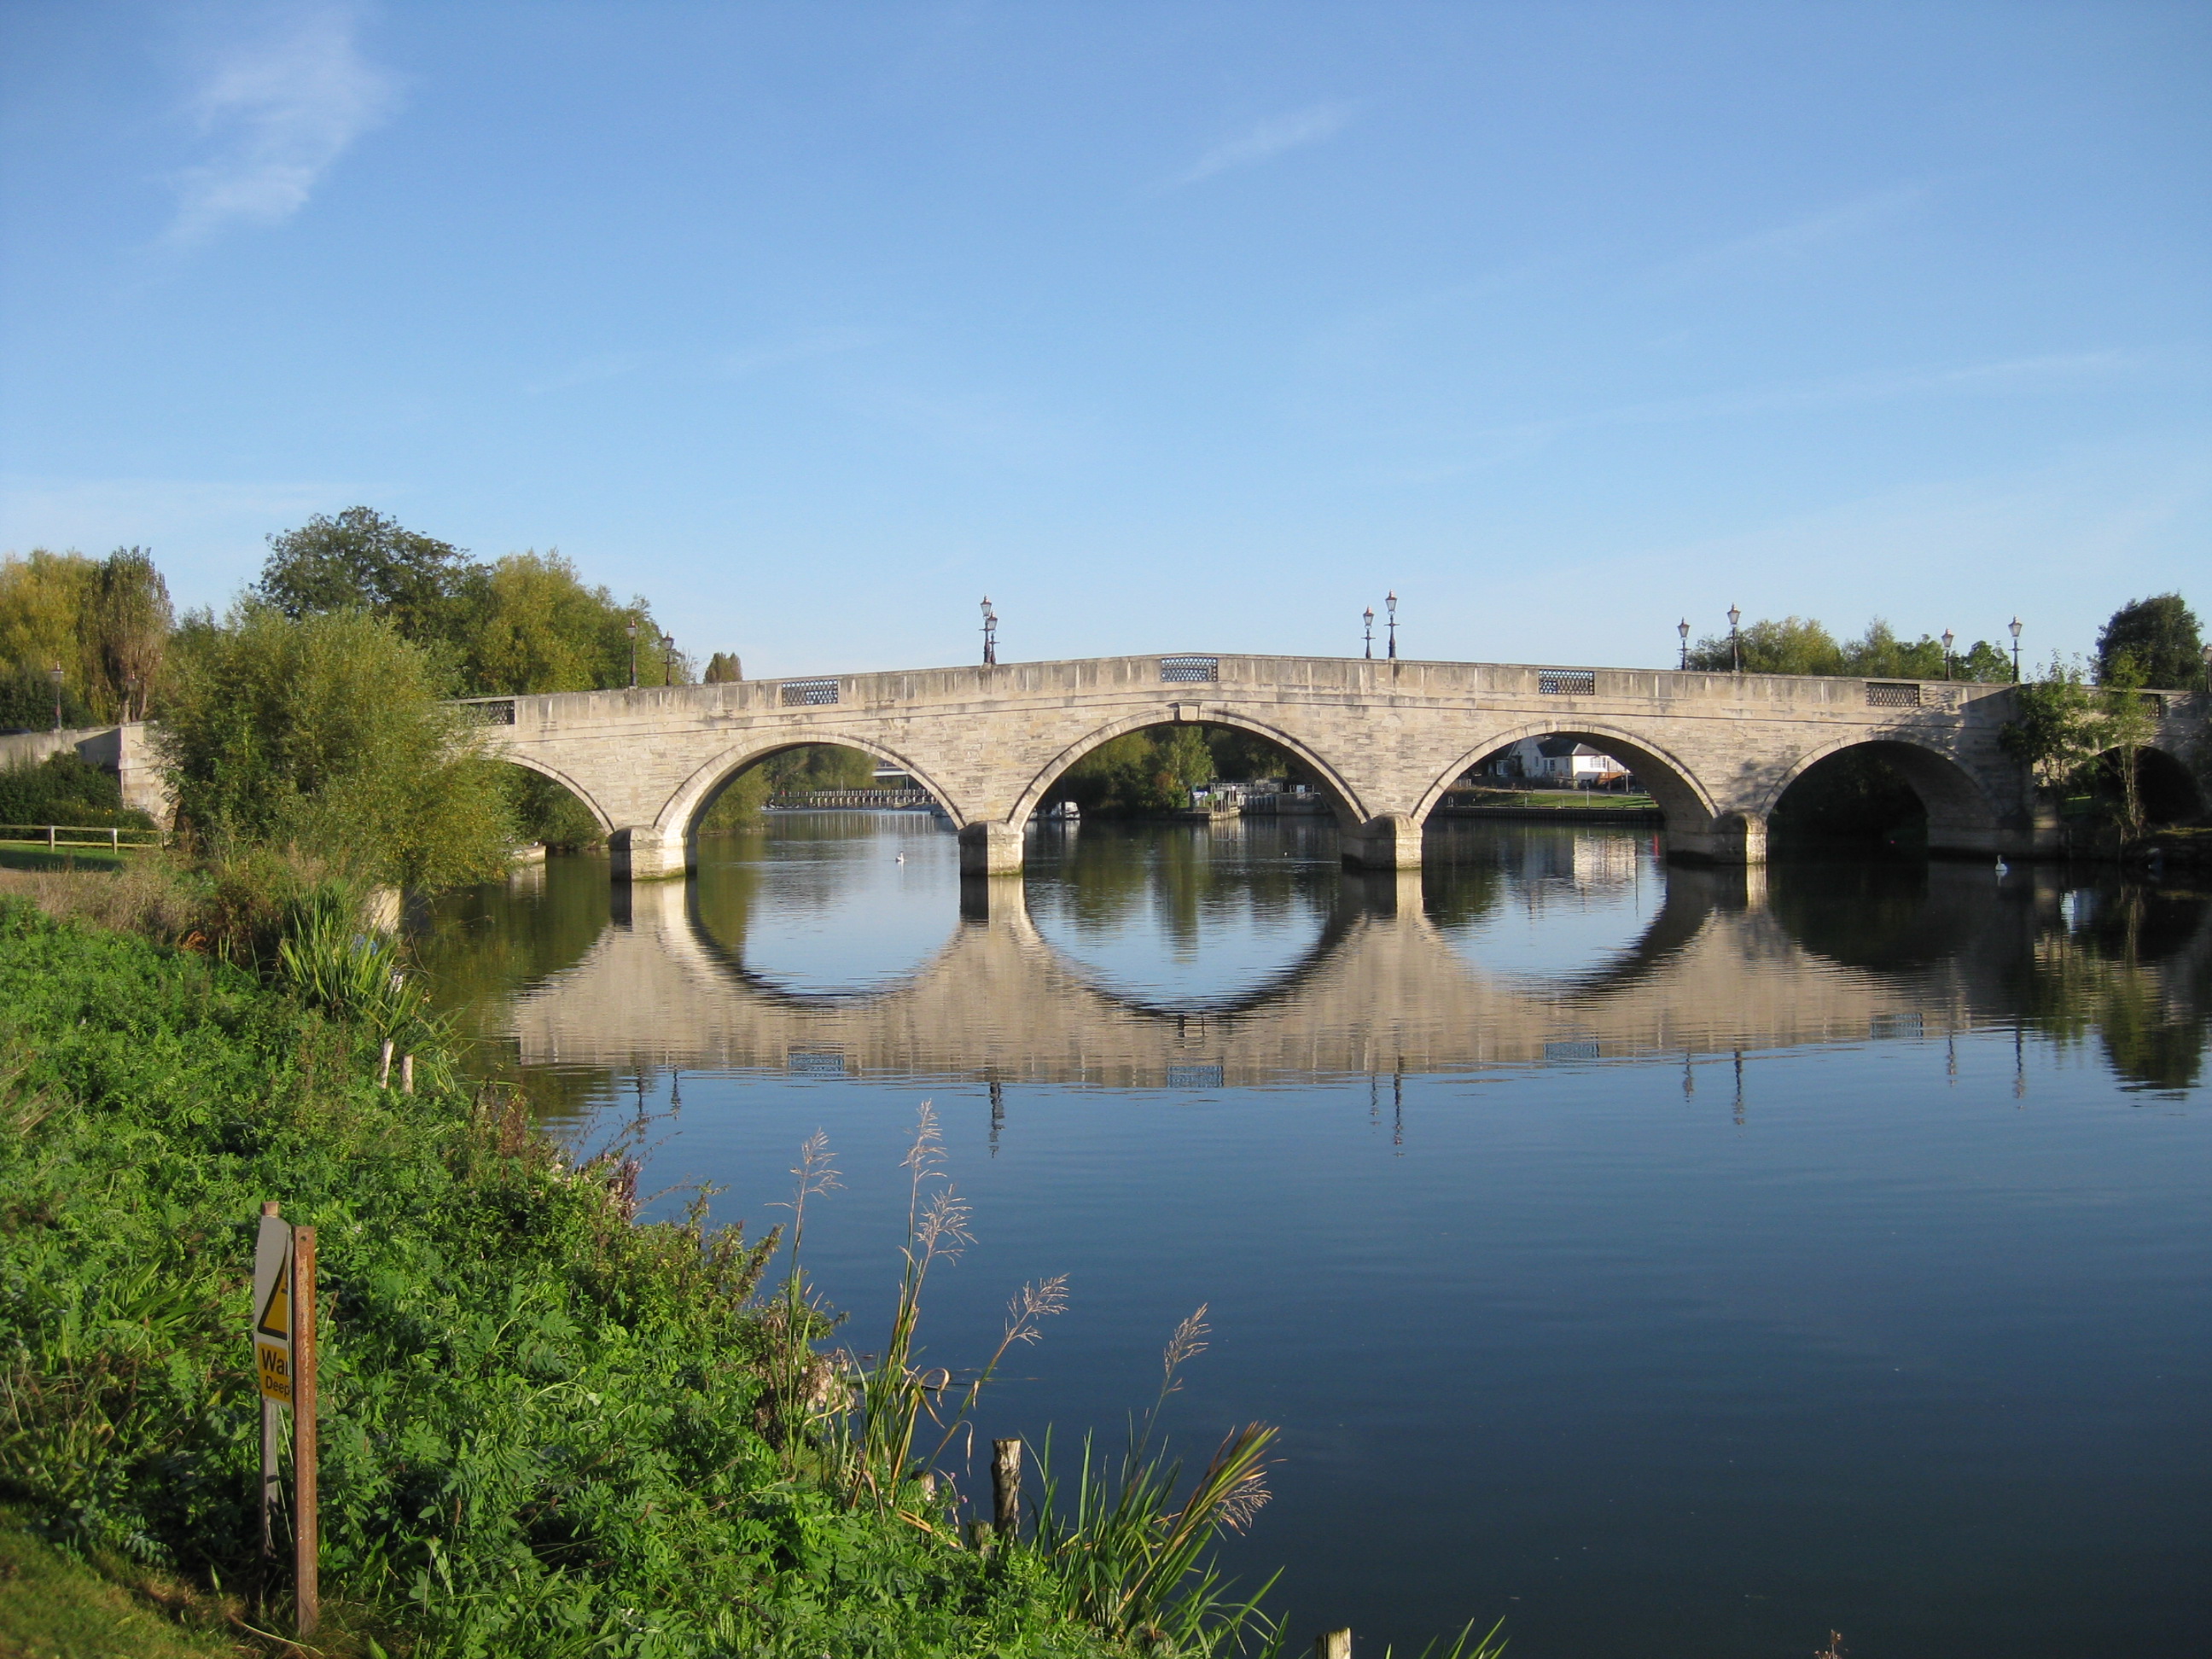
[(1513, 945)]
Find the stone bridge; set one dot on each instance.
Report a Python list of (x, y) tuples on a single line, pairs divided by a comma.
[(1383, 739)]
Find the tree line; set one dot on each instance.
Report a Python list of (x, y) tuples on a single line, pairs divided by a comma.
[(2154, 642)]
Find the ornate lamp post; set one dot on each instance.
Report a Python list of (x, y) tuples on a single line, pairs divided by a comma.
[(1735, 639), (668, 658), (1682, 627), (1390, 600), (1948, 637), (633, 654), (2016, 650), (990, 632), (1368, 618), (131, 697), (55, 675)]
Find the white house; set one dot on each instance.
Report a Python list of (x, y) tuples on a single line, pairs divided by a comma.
[(1559, 761)]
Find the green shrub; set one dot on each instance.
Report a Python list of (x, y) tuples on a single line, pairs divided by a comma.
[(64, 788), (545, 1427)]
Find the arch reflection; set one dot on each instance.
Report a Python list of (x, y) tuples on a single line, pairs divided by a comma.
[(825, 905), (1366, 976)]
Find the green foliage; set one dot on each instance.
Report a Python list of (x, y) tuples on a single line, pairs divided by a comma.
[(326, 734), (331, 962), (1139, 773), (26, 702), (543, 810), (528, 623), (791, 771), (363, 560), (2052, 731), (1797, 645), (542, 1422), (724, 669), (104, 621), (64, 788), (2159, 634)]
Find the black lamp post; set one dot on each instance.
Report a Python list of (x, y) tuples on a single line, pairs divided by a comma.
[(1735, 639), (1367, 617), (55, 675), (1682, 627), (1948, 637), (668, 658), (129, 696), (2207, 654), (633, 654), (990, 632), (1390, 601), (2016, 650)]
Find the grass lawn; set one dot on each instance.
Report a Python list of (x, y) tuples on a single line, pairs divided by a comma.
[(26, 855), (54, 1607), (1588, 799)]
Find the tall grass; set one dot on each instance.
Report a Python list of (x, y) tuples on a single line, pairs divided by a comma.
[(1126, 1552)]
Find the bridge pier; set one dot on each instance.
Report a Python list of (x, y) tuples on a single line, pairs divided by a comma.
[(1728, 838), (1392, 841), (991, 848), (646, 853)]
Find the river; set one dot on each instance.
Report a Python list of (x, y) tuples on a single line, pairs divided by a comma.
[(1666, 1260)]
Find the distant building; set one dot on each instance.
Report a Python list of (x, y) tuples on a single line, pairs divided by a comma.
[(1560, 762)]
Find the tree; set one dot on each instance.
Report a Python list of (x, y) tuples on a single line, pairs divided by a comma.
[(2122, 727), (325, 734), (45, 600), (1878, 654), (2053, 731), (132, 617), (529, 625), (362, 559), (724, 669), (1795, 645), (1798, 645), (1139, 773), (2160, 634)]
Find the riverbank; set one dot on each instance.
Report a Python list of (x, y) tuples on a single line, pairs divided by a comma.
[(547, 1426)]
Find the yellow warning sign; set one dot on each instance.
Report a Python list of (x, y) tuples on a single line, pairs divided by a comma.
[(272, 1308)]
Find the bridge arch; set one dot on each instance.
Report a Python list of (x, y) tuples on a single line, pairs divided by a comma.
[(531, 764), (682, 809), (1961, 815), (1344, 801), (1670, 782)]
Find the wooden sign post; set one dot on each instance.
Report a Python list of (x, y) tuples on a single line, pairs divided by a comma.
[(285, 1362)]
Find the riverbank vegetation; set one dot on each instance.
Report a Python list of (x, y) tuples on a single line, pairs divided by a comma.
[(549, 1427)]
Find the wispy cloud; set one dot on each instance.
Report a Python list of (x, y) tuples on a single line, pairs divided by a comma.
[(273, 113), (1267, 139), (1845, 221)]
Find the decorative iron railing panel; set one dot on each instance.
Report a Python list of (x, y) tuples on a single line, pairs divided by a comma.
[(1892, 693), (1567, 682), (807, 693), (1186, 668)]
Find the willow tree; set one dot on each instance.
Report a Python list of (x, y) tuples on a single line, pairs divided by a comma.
[(324, 735)]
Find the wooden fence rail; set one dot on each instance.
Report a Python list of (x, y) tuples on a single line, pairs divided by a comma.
[(56, 837)]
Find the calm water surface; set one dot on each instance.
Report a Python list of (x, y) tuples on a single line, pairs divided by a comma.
[(1668, 1261)]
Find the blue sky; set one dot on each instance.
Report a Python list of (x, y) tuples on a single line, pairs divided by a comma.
[(1169, 327)]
